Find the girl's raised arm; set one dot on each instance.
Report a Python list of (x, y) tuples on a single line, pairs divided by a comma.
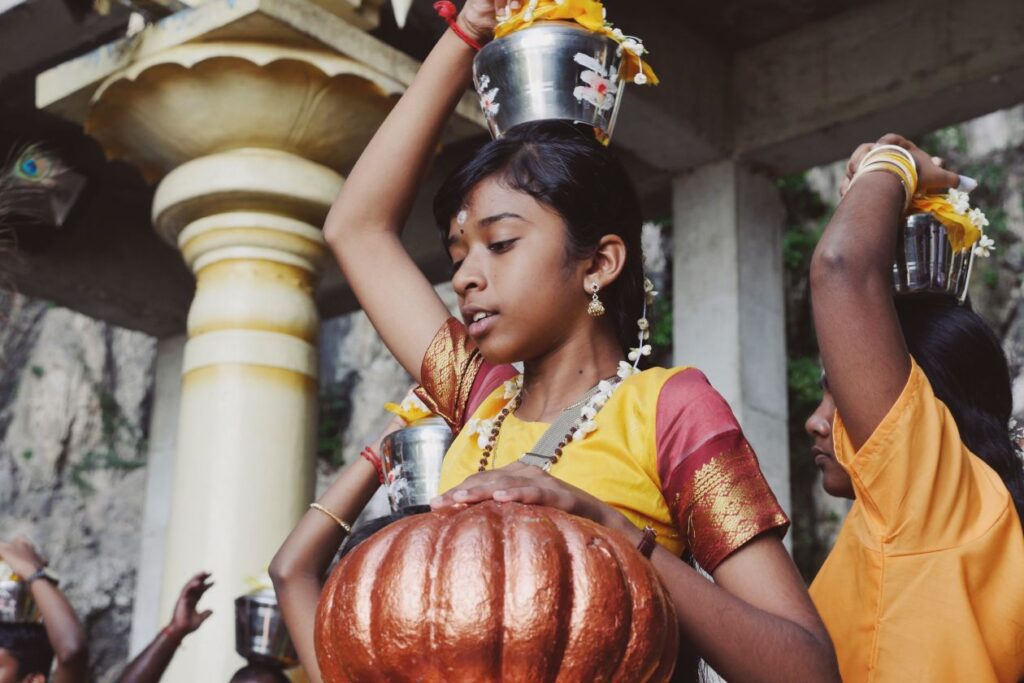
[(862, 346), (364, 225)]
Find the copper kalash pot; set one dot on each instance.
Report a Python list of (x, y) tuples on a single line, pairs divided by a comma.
[(495, 592)]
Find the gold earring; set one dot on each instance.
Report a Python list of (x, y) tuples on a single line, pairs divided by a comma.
[(595, 308)]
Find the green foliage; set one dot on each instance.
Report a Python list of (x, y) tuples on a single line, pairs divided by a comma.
[(990, 276), (804, 380), (334, 419), (122, 445), (798, 246), (945, 142), (26, 455), (991, 177), (661, 323), (37, 371)]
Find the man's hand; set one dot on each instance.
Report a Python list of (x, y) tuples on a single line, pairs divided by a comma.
[(24, 559), (186, 619)]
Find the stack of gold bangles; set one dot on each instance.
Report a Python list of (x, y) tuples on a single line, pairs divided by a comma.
[(891, 159)]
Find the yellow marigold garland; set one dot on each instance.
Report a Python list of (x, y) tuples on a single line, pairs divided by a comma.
[(590, 14)]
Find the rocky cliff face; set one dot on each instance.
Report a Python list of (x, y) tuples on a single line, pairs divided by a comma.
[(74, 398)]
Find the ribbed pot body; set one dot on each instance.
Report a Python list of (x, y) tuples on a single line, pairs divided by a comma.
[(496, 592)]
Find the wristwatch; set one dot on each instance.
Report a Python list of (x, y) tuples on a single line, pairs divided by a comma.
[(44, 573)]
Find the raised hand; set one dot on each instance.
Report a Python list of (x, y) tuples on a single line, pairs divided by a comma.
[(23, 557), (186, 619), (931, 176), (479, 17)]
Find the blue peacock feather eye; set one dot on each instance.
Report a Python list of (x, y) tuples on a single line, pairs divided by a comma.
[(30, 168)]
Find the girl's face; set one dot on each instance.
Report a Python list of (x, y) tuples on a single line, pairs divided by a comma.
[(518, 295), (834, 479)]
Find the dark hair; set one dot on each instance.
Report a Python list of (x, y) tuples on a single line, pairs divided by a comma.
[(566, 169), (254, 672), (28, 644), (966, 366)]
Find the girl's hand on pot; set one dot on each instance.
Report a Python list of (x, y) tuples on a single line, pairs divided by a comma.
[(529, 485)]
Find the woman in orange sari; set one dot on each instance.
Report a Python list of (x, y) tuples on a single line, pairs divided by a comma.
[(926, 580)]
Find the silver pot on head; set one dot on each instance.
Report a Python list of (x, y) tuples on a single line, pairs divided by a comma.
[(926, 261), (551, 70), (260, 632)]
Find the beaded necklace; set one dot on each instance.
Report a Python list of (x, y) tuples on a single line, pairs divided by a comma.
[(593, 401)]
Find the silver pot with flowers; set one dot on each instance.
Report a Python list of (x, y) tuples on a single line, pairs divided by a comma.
[(551, 70), (927, 262)]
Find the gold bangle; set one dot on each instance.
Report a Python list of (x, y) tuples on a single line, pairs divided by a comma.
[(907, 180), (342, 523)]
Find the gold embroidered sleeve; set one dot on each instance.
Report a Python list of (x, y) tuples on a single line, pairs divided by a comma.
[(725, 501), (450, 367)]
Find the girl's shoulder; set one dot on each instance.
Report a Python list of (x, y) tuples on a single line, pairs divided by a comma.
[(676, 383), (679, 394)]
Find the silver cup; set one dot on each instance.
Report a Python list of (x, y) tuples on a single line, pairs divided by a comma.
[(926, 262), (260, 633), (412, 460), (16, 602), (551, 70)]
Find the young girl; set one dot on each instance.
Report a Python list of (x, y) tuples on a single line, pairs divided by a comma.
[(543, 230), (925, 580)]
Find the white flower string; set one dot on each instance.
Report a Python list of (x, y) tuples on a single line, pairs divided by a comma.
[(487, 430), (961, 204)]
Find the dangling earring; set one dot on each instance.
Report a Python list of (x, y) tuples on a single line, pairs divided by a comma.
[(595, 308)]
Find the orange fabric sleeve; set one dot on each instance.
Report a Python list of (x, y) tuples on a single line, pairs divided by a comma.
[(919, 486)]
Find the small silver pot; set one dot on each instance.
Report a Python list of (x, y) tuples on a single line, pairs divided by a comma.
[(412, 460), (551, 70), (926, 262), (260, 633), (16, 602)]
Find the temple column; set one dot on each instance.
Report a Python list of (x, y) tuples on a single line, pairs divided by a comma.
[(247, 143), (728, 298)]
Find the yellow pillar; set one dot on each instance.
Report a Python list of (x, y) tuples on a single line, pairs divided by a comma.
[(250, 142)]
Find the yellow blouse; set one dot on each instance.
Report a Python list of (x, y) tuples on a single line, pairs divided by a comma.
[(667, 450)]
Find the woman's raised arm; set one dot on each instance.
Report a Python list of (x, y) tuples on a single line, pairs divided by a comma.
[(862, 347), (365, 223)]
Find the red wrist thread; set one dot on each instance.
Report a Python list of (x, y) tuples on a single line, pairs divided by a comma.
[(371, 457), (446, 10)]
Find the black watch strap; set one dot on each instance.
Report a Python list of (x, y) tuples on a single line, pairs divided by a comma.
[(43, 573)]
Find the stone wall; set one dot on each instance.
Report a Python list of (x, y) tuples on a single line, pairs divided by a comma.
[(74, 397)]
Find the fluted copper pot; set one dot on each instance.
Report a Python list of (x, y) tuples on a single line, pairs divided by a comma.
[(495, 592)]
